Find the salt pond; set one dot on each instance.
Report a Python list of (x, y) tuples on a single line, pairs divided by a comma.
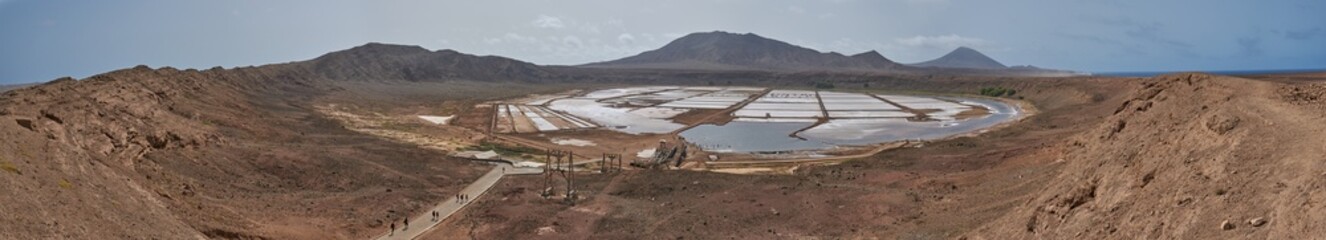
[(740, 136), (774, 134), (778, 121), (619, 119)]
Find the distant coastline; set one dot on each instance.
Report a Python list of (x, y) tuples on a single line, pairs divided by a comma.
[(1227, 72)]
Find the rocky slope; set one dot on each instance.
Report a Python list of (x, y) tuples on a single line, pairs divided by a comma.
[(963, 57), (223, 153), (1190, 156)]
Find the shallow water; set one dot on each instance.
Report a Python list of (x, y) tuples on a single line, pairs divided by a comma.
[(750, 137), (744, 136)]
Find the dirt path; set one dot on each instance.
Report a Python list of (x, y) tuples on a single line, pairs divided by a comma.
[(424, 222)]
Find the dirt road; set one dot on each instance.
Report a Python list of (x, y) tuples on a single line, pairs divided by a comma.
[(425, 222)]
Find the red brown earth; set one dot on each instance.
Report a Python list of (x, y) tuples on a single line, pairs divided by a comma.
[(1168, 157), (243, 153)]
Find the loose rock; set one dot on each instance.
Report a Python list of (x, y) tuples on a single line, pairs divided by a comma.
[(1257, 222)]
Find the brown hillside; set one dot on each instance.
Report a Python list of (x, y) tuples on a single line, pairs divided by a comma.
[(1190, 156), (170, 154)]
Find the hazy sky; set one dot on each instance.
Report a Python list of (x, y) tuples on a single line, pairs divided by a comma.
[(45, 39)]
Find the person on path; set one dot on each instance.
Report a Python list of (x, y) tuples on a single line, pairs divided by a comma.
[(407, 224), (393, 229)]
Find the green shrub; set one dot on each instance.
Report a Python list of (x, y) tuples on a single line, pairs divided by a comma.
[(823, 85), (506, 150), (8, 166), (998, 91), (65, 184)]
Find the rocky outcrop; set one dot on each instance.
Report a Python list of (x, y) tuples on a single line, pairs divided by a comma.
[(1186, 152)]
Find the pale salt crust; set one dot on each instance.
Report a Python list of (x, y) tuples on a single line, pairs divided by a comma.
[(789, 96), (617, 92), (544, 99), (579, 123), (539, 122), (870, 114), (646, 153), (879, 105), (751, 89), (901, 99), (658, 112), (782, 106), (751, 119), (573, 142), (705, 88), (851, 129), (613, 117), (440, 120), (697, 105), (776, 113)]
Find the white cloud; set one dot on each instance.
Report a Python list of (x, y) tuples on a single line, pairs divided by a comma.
[(545, 21), (512, 38), (572, 41), (942, 41), (625, 38)]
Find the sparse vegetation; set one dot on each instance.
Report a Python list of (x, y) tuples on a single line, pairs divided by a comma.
[(9, 167), (823, 85), (998, 92), (506, 150), (65, 184)]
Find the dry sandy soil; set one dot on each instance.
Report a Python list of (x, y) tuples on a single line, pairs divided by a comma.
[(246, 153), (1186, 156), (171, 154), (936, 191)]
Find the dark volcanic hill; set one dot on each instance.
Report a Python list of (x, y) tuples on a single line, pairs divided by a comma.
[(963, 57), (875, 59), (376, 61), (723, 50)]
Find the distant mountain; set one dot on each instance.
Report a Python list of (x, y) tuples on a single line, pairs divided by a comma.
[(963, 57), (377, 61), (731, 51), (875, 59)]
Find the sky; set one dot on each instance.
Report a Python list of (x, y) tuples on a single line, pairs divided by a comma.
[(41, 40)]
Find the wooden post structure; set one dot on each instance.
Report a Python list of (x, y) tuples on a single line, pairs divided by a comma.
[(569, 173)]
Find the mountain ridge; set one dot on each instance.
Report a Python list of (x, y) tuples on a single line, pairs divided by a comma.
[(748, 51), (963, 57)]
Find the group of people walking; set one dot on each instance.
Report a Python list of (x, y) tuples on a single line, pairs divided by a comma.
[(405, 223)]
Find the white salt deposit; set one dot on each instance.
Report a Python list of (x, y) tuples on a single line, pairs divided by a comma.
[(440, 120), (647, 153), (869, 114), (747, 119), (659, 112), (618, 119), (877, 105), (777, 113), (617, 92), (782, 106), (573, 142), (539, 122)]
